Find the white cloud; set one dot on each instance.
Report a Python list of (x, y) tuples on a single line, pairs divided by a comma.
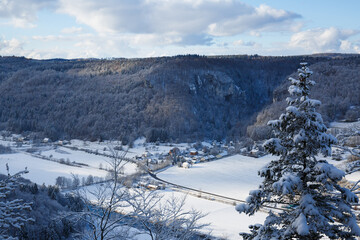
[(23, 13), (52, 38), (72, 30), (11, 47), (357, 49), (262, 18), (246, 44), (324, 40), (190, 22)]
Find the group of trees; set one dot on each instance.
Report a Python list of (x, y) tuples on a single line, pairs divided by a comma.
[(75, 181)]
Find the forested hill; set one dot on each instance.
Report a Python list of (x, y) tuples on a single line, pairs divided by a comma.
[(169, 98)]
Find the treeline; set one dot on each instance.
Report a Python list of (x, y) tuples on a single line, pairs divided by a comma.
[(181, 98)]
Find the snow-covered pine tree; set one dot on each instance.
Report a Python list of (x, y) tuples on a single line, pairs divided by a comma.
[(299, 179), (12, 212)]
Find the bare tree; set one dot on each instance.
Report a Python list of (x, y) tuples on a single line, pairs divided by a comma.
[(164, 219), (105, 202), (114, 212)]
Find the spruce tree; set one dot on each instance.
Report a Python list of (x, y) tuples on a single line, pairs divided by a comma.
[(298, 178)]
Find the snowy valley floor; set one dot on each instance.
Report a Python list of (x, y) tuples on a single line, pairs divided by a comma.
[(231, 176)]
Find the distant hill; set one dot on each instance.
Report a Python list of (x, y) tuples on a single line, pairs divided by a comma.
[(182, 98)]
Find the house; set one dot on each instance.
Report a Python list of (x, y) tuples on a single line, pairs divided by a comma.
[(152, 187), (256, 153), (174, 151), (193, 152), (146, 154)]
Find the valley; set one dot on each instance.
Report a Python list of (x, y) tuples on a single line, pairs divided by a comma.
[(231, 176)]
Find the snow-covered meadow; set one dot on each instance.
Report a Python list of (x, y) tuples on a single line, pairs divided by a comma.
[(232, 176), (43, 171), (46, 171)]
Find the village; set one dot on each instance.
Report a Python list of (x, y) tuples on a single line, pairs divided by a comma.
[(147, 159), (199, 152)]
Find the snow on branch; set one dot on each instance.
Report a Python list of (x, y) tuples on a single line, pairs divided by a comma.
[(300, 224), (287, 184), (274, 145), (328, 171), (294, 90), (312, 103), (294, 81), (293, 110), (273, 123)]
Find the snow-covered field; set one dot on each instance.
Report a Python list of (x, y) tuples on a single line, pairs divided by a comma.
[(225, 221), (43, 171), (345, 125), (87, 158), (231, 176)]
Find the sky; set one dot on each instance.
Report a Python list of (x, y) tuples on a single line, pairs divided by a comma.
[(44, 29)]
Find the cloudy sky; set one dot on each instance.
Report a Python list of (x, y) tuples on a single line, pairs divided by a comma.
[(144, 28)]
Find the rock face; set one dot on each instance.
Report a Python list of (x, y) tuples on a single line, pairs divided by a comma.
[(171, 98)]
